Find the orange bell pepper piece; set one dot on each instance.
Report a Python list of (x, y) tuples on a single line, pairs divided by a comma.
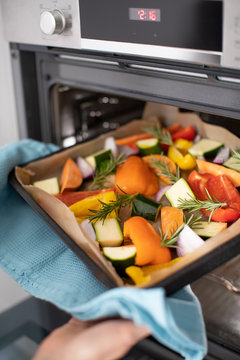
[(134, 176), (147, 242)]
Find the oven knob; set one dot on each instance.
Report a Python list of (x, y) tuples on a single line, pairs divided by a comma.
[(52, 22)]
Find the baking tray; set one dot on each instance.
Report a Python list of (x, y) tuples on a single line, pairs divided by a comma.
[(171, 283)]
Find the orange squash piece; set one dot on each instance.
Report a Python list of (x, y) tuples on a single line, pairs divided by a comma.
[(171, 220), (134, 176), (170, 164), (71, 176), (147, 242)]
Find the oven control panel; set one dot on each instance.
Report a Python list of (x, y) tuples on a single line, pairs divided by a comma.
[(43, 22)]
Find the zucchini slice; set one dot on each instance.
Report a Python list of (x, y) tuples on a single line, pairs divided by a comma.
[(147, 208), (208, 229), (96, 159), (205, 147), (149, 147), (233, 164), (121, 257), (180, 189), (50, 185), (109, 232)]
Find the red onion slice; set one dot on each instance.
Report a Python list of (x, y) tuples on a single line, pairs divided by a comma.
[(222, 155), (188, 241), (110, 144), (88, 229), (86, 170), (197, 138), (161, 192), (127, 150)]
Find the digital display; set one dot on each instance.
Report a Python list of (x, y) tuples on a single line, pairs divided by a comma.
[(140, 14)]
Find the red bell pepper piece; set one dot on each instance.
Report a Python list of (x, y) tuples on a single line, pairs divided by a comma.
[(223, 215), (165, 147), (71, 197), (222, 189), (187, 133), (198, 184)]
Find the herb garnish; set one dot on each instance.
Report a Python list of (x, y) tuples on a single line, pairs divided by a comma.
[(236, 154), (192, 222), (163, 136), (164, 170), (107, 168), (192, 204), (123, 200)]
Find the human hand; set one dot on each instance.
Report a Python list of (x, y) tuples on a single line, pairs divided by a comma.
[(79, 340)]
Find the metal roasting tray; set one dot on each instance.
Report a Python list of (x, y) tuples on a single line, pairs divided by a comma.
[(171, 284)]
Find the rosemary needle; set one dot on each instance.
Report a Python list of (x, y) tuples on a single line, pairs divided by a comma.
[(106, 169), (164, 170), (192, 222), (162, 135), (106, 209), (236, 154), (191, 204)]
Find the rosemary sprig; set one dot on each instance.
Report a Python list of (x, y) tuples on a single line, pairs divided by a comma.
[(171, 241), (193, 204), (164, 170), (123, 200), (236, 154), (162, 135), (106, 169), (192, 222)]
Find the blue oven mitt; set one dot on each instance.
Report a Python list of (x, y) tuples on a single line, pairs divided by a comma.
[(44, 266)]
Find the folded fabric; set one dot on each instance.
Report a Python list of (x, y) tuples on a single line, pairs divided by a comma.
[(44, 266)]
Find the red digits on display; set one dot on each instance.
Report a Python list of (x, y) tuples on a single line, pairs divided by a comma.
[(141, 14), (152, 15)]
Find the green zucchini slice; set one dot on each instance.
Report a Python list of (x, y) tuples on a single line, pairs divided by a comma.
[(233, 164), (121, 257), (149, 147), (207, 229), (145, 207), (109, 232), (205, 147), (180, 189), (96, 160), (50, 185)]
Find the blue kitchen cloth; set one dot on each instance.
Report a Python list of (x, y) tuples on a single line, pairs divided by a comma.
[(32, 254)]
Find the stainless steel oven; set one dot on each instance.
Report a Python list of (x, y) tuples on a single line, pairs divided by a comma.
[(84, 67)]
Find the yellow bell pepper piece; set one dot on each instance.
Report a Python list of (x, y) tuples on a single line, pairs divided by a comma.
[(141, 275), (174, 154), (81, 208), (149, 269), (183, 145), (136, 274), (185, 162)]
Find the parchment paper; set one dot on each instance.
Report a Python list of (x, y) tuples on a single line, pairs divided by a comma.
[(52, 166)]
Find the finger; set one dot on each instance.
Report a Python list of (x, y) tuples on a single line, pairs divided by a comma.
[(108, 340)]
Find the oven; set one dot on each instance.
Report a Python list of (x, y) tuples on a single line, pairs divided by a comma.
[(82, 68)]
